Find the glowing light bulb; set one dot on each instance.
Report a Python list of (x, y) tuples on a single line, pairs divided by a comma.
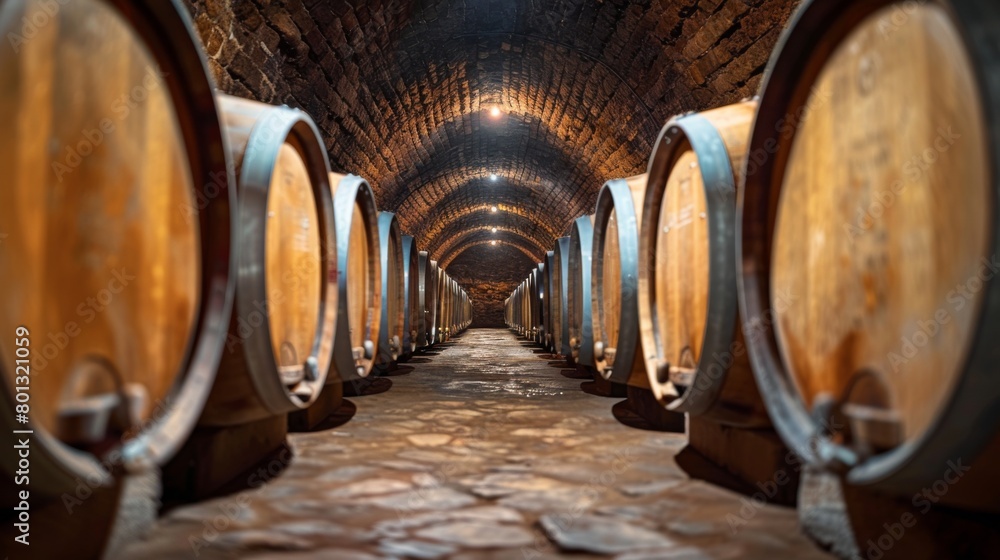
[(494, 209), (494, 230), (495, 112), (493, 176), (494, 242)]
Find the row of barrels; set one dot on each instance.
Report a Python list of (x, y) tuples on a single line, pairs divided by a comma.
[(173, 256), (822, 258)]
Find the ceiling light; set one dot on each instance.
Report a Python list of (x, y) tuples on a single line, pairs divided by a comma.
[(494, 242), (494, 209), (493, 176), (494, 230)]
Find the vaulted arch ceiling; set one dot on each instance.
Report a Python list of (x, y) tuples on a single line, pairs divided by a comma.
[(404, 91)]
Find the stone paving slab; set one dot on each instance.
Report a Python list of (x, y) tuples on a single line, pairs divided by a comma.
[(485, 451)]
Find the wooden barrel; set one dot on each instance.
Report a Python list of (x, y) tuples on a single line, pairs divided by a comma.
[(546, 297), (464, 310), (359, 274), (117, 240), (279, 346), (579, 313), (517, 309), (695, 355), (431, 316), (521, 318), (869, 242), (390, 342), (455, 296), (537, 302), (560, 295), (444, 306), (530, 305), (614, 278), (468, 311), (412, 315), (428, 297)]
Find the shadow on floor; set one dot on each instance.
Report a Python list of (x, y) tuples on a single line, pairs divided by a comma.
[(575, 374), (367, 386)]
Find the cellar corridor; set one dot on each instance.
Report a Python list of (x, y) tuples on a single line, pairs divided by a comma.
[(484, 449)]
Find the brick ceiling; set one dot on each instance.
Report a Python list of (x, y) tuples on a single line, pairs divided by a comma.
[(403, 92)]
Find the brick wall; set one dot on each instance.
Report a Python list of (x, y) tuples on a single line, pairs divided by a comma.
[(403, 91)]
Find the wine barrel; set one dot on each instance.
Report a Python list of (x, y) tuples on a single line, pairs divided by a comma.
[(579, 314), (530, 305), (412, 315), (517, 309), (537, 304), (453, 307), (359, 274), (560, 295), (695, 355), (444, 306), (464, 310), (279, 345), (117, 247), (614, 277), (546, 297), (390, 344), (867, 270), (430, 311), (427, 294)]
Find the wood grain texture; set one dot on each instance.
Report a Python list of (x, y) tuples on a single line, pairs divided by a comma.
[(292, 274), (292, 313), (100, 261), (611, 279), (882, 225)]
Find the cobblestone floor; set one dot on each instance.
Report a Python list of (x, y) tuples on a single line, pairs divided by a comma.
[(484, 450)]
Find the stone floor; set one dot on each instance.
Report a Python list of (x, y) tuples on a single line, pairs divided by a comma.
[(484, 450)]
